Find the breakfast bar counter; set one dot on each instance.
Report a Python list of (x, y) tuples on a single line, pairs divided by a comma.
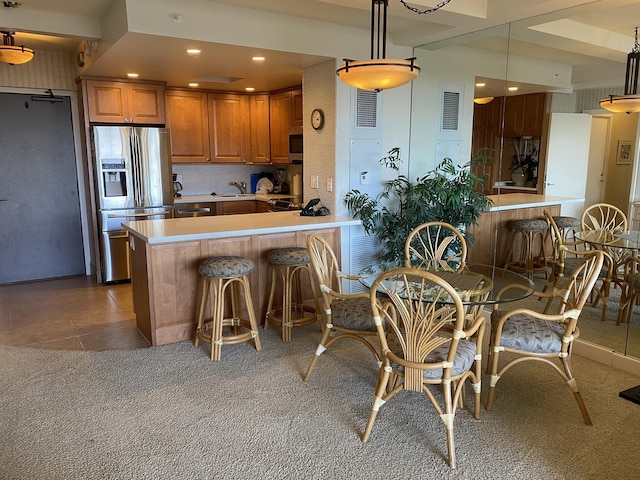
[(493, 233), (165, 255)]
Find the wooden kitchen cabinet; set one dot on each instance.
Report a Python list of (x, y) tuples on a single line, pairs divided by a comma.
[(228, 127), (285, 112), (188, 124), (125, 102), (238, 128), (237, 207), (523, 115)]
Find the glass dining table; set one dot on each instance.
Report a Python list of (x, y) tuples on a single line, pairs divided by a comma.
[(478, 284), (621, 244)]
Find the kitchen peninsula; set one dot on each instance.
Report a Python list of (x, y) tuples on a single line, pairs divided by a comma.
[(493, 233), (165, 255)]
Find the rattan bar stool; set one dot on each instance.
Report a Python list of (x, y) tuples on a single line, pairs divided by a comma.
[(226, 276), (530, 257), (289, 268)]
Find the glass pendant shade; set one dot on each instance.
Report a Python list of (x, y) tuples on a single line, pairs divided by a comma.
[(13, 54), (378, 74), (621, 103), (630, 101), (482, 100)]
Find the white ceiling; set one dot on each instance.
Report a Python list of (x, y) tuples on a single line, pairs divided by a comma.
[(601, 31)]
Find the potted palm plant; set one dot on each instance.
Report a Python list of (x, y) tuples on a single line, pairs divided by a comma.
[(448, 193)]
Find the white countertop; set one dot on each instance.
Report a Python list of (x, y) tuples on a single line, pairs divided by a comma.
[(512, 201), (231, 197), (225, 226)]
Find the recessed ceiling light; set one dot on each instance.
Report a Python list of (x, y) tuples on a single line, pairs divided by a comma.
[(258, 59), (194, 51), (250, 89), (513, 89), (132, 75), (193, 84), (481, 84)]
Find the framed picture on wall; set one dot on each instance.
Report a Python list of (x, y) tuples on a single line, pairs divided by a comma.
[(625, 152)]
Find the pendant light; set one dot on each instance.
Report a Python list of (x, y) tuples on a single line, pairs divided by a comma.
[(379, 73), (630, 101), (11, 53)]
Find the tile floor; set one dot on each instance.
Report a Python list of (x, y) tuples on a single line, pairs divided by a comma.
[(74, 313)]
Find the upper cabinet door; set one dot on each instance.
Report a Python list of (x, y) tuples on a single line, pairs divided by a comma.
[(280, 122), (259, 134), (524, 115), (297, 119), (188, 124), (229, 128), (146, 103), (123, 102)]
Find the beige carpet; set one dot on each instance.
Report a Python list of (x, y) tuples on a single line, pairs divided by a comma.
[(169, 413)]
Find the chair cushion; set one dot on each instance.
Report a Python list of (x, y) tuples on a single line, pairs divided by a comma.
[(465, 355), (528, 334), (289, 256), (226, 267), (570, 264), (633, 279), (353, 313), (533, 224)]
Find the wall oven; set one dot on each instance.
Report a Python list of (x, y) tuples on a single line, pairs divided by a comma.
[(295, 145)]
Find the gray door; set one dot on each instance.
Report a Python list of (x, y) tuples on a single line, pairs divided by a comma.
[(40, 226)]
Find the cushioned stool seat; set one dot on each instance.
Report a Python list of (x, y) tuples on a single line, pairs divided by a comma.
[(291, 266), (566, 225), (226, 275), (527, 253)]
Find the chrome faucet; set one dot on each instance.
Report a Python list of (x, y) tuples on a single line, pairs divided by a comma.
[(242, 186)]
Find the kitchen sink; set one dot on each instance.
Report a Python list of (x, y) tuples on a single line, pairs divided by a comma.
[(237, 195)]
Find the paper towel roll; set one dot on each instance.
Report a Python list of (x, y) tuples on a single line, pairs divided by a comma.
[(297, 184)]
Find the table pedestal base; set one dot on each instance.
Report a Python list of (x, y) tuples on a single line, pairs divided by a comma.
[(632, 394)]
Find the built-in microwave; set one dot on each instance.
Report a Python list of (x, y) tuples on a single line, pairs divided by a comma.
[(295, 144)]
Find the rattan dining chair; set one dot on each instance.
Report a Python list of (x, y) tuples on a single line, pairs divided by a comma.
[(564, 260), (435, 245), (346, 315), (420, 321), (603, 216), (530, 335)]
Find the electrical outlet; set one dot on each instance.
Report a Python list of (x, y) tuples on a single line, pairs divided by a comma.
[(329, 184), (314, 181)]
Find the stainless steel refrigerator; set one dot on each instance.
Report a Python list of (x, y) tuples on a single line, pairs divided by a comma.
[(132, 171)]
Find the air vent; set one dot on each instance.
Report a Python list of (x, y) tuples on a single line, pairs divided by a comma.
[(363, 253), (450, 111), (366, 109)]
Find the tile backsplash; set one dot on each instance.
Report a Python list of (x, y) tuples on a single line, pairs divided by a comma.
[(208, 178)]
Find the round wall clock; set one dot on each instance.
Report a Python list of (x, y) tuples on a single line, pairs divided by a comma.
[(317, 119)]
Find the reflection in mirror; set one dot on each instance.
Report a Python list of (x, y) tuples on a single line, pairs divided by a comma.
[(557, 83)]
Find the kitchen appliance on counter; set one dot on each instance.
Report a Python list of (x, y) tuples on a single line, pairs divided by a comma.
[(133, 182)]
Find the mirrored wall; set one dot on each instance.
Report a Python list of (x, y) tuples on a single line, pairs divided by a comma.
[(520, 68)]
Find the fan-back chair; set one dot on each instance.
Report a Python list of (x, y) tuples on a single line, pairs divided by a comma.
[(435, 246), (420, 321), (346, 315), (543, 337)]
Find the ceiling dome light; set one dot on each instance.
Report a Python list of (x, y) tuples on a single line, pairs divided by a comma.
[(630, 101), (13, 54), (380, 73)]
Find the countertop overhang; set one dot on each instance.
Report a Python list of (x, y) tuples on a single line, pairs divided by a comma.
[(512, 201), (226, 226)]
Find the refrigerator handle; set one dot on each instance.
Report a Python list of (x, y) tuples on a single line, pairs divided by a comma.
[(137, 174)]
